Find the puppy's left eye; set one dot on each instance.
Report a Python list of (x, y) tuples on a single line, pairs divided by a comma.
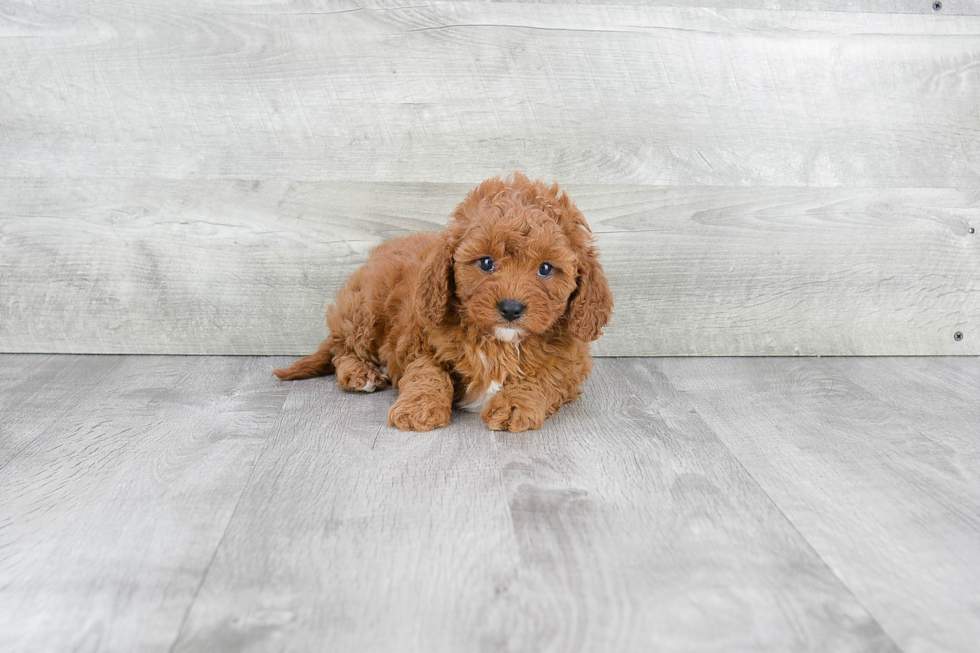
[(486, 264), (546, 270)]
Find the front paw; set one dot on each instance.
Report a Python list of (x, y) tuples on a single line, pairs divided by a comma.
[(419, 413), (513, 412)]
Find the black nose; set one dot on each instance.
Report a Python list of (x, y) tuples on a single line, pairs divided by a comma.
[(510, 309)]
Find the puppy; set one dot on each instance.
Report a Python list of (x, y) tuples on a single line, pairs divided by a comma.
[(494, 314)]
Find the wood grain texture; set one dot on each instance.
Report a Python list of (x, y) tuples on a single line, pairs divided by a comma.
[(321, 7), (213, 266), (877, 463), (766, 178), (623, 522), (637, 528), (37, 391), (195, 504), (456, 91), (356, 536), (111, 513)]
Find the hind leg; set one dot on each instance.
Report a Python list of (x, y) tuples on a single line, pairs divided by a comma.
[(358, 375), (355, 329)]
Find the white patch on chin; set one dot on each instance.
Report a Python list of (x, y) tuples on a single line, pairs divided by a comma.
[(368, 387), (507, 334), (478, 402)]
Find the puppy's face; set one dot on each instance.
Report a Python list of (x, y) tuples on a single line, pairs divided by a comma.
[(516, 257), (514, 271)]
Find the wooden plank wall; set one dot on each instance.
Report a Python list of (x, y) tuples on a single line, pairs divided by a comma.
[(765, 178)]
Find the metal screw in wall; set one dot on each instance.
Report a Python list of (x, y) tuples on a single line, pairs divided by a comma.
[(937, 6), (958, 336), (973, 230)]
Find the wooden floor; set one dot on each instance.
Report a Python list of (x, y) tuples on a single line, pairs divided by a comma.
[(195, 504)]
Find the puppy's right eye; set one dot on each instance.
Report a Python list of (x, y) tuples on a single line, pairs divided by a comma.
[(486, 264)]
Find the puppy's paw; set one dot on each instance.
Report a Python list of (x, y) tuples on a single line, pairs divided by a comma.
[(357, 375), (418, 412), (511, 412)]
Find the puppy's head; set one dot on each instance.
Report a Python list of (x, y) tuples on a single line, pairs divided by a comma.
[(517, 259)]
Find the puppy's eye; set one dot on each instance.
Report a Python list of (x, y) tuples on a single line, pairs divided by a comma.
[(546, 270), (486, 264)]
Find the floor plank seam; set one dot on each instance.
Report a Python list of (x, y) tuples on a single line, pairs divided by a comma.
[(377, 435), (273, 432), (655, 508), (779, 509), (809, 545)]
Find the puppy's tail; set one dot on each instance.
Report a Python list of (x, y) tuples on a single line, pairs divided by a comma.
[(318, 364)]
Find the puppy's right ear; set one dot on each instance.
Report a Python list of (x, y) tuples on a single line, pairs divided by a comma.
[(436, 283)]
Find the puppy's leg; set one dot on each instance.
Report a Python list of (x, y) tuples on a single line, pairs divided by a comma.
[(425, 397), (355, 325), (358, 375), (525, 403), (350, 350)]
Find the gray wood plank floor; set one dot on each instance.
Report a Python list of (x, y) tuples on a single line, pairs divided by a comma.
[(195, 504)]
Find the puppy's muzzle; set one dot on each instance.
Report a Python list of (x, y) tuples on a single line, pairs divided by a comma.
[(510, 309)]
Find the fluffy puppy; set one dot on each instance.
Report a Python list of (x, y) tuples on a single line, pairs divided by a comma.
[(495, 313)]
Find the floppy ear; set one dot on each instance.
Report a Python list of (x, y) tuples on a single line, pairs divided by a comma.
[(436, 284), (591, 304)]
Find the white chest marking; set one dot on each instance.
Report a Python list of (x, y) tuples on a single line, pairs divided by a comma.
[(476, 404)]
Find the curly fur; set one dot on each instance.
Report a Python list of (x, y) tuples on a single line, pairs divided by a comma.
[(422, 315)]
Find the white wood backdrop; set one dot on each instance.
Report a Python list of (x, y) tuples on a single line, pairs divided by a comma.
[(200, 177)]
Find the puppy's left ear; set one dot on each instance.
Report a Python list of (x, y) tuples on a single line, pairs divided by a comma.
[(436, 284), (591, 304)]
